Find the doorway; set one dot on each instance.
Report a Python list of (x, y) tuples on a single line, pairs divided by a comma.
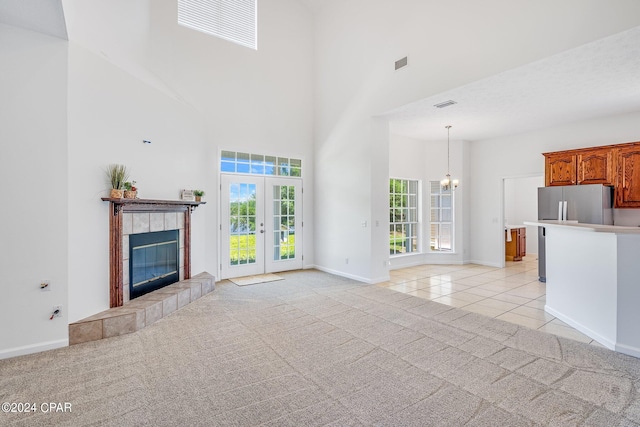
[(261, 225), (521, 204)]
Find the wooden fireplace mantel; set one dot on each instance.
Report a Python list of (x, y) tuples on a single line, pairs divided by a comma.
[(118, 206), (151, 205)]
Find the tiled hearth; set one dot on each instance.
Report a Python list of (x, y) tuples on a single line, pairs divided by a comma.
[(142, 311)]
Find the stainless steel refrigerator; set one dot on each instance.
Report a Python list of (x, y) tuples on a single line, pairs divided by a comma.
[(589, 204)]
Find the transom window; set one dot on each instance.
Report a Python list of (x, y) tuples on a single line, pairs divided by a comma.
[(403, 216), (441, 222), (233, 20), (259, 164)]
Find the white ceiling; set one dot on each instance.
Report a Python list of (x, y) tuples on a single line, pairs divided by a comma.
[(599, 79), (42, 16)]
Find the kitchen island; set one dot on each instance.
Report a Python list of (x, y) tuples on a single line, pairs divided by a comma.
[(593, 281)]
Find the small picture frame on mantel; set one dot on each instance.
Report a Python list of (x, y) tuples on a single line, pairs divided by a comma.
[(187, 195)]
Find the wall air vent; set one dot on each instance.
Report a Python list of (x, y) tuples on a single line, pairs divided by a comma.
[(445, 104), (401, 63)]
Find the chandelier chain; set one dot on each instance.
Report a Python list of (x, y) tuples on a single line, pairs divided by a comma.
[(448, 148), (447, 183)]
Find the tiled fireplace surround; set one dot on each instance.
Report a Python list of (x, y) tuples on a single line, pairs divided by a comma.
[(135, 223), (134, 315)]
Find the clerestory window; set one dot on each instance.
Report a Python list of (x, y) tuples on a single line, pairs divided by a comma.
[(233, 20), (259, 164)]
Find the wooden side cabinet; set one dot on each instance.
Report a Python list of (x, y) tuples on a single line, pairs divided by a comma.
[(516, 248), (560, 169), (596, 166), (628, 185)]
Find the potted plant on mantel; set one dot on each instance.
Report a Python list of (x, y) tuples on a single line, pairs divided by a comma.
[(117, 175), (198, 194), (130, 190)]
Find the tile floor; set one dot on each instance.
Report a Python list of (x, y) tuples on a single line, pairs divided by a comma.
[(513, 293)]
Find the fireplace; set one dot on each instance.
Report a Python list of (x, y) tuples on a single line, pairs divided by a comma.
[(137, 216), (152, 218), (153, 261)]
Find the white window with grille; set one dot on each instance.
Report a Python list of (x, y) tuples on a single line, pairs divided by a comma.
[(441, 218), (404, 216)]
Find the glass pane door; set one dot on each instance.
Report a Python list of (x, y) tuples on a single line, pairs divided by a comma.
[(284, 215), (242, 231), (255, 207)]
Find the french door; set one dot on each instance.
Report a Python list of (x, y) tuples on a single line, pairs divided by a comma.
[(261, 225)]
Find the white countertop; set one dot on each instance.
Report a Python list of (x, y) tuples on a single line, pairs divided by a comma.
[(511, 226), (617, 229)]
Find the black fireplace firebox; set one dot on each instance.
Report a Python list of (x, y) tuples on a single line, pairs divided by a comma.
[(153, 261)]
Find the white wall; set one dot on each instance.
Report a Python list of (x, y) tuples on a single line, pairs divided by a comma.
[(252, 101), (191, 95), (33, 154), (110, 113), (134, 74), (521, 155), (357, 43), (427, 161), (521, 204)]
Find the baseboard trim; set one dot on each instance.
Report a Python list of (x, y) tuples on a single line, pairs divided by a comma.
[(381, 279), (343, 274), (33, 348), (484, 263), (631, 351), (611, 345)]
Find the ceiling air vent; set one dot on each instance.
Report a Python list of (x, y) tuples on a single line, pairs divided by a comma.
[(445, 104), (401, 63)]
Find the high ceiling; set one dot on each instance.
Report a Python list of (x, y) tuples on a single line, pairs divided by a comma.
[(594, 80), (42, 16)]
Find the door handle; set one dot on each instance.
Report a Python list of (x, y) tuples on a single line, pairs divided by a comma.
[(261, 231)]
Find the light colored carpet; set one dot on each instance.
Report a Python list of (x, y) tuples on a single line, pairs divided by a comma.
[(316, 349), (254, 280)]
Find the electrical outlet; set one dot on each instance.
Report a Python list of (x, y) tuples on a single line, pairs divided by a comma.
[(45, 285), (57, 311)]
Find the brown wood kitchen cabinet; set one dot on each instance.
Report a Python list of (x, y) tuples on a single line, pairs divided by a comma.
[(628, 186), (617, 165), (517, 247), (596, 166), (560, 168), (587, 166)]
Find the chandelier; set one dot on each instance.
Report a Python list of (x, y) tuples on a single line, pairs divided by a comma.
[(447, 183)]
